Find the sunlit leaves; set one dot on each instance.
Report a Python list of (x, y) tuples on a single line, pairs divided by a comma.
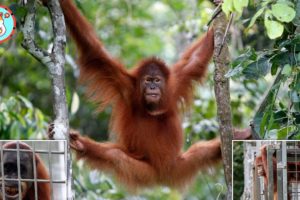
[(20, 120), (239, 5), (287, 70), (279, 13), (274, 28), (279, 116), (283, 12), (276, 14), (234, 6), (227, 6), (254, 18)]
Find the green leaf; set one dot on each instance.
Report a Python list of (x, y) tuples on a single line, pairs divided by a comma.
[(19, 11), (280, 117), (233, 72), (282, 134), (241, 62), (293, 43), (287, 70), (248, 55), (274, 28), (263, 122), (283, 12), (26, 102), (256, 123), (254, 18), (257, 69), (40, 118), (296, 20), (296, 115), (274, 68), (265, 2), (270, 122), (227, 7), (239, 5), (294, 96), (282, 58), (75, 103)]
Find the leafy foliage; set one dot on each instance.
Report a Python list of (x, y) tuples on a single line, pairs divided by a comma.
[(234, 6), (278, 115), (276, 14), (19, 119)]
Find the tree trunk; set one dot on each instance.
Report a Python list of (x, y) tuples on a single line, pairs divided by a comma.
[(221, 60)]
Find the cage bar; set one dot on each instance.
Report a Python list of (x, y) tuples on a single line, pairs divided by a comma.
[(2, 173), (34, 173), (270, 186), (19, 170)]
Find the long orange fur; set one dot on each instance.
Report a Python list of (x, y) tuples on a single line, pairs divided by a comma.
[(148, 149)]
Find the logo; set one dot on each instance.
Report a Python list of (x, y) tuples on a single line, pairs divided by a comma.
[(7, 23)]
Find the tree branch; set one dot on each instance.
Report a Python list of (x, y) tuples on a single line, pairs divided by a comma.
[(28, 32), (221, 86), (54, 61)]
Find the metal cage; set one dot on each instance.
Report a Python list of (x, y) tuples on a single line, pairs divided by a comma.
[(284, 171), (52, 153)]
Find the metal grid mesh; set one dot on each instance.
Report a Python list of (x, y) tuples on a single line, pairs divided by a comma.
[(51, 153), (293, 170), (284, 171)]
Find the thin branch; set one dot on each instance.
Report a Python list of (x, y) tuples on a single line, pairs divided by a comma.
[(28, 32), (266, 100), (54, 61), (262, 106), (226, 32), (216, 12)]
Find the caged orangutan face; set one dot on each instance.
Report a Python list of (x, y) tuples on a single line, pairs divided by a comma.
[(10, 169), (20, 166)]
